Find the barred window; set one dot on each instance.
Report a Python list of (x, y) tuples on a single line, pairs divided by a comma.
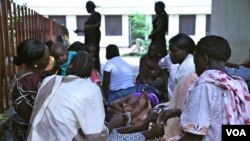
[(113, 25), (80, 20), (187, 24)]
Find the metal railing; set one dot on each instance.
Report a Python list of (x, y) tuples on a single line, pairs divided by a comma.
[(18, 23)]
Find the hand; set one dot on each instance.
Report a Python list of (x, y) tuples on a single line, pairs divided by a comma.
[(157, 130), (167, 114), (154, 131), (118, 120), (77, 31)]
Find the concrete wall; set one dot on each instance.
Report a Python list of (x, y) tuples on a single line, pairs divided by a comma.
[(231, 19), (174, 8)]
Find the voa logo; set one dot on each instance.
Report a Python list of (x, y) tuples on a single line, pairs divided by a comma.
[(236, 132)]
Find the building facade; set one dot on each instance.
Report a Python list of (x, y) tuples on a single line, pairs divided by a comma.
[(186, 16)]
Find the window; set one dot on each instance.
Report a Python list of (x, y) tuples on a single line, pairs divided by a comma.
[(113, 25), (59, 19), (80, 20), (208, 17), (187, 24)]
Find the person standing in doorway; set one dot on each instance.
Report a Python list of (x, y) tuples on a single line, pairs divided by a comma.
[(160, 27), (92, 31)]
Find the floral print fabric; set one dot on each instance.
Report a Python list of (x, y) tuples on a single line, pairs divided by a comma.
[(213, 100)]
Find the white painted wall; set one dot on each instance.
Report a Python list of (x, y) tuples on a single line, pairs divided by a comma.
[(125, 8), (122, 40), (230, 19), (200, 28), (173, 26)]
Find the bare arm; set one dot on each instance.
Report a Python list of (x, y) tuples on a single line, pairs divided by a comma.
[(191, 137), (106, 81), (141, 126), (54, 70), (159, 27), (117, 104), (79, 30), (142, 76), (96, 25), (132, 129), (86, 27)]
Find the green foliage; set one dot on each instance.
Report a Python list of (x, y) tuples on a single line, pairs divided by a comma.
[(140, 29)]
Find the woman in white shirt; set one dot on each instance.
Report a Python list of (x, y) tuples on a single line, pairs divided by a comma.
[(117, 75)]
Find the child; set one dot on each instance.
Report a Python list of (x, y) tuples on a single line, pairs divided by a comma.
[(90, 48), (95, 76), (62, 58), (77, 46), (48, 69)]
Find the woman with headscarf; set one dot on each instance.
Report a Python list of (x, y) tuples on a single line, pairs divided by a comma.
[(160, 27), (216, 98)]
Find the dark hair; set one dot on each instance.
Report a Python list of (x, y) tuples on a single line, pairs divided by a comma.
[(49, 44), (61, 39), (55, 46), (90, 4), (77, 46), (215, 47), (183, 41), (81, 65), (112, 51), (161, 6), (64, 31), (28, 51)]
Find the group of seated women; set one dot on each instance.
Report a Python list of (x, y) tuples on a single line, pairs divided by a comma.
[(72, 102)]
